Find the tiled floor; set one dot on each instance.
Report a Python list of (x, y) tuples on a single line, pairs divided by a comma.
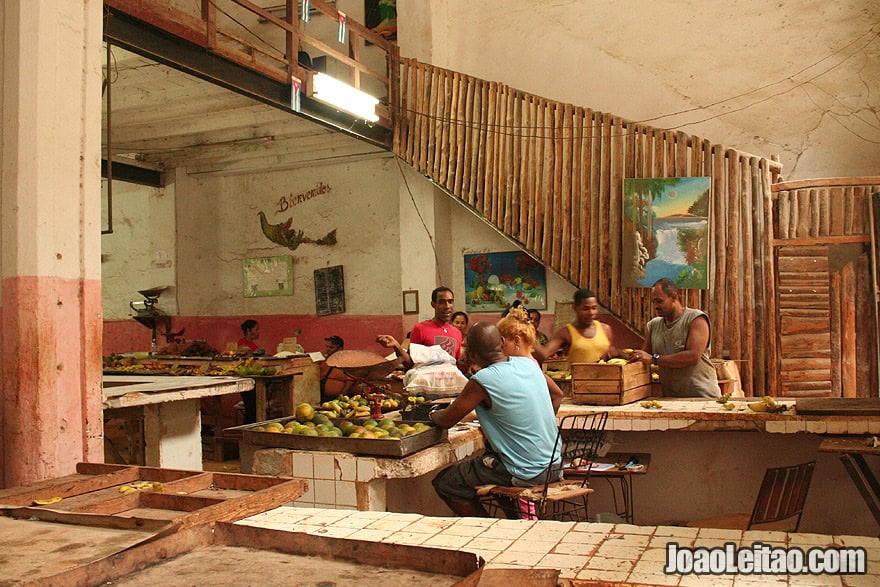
[(608, 552)]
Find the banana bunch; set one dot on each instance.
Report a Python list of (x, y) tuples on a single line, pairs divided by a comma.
[(767, 404), (615, 361), (651, 403), (141, 486), (347, 407)]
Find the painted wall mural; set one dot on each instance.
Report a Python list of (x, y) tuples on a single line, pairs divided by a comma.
[(667, 221), (285, 235), (494, 280)]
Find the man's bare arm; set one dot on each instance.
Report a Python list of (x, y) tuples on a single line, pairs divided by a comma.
[(472, 394)]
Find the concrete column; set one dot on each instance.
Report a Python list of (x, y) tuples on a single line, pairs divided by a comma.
[(50, 247)]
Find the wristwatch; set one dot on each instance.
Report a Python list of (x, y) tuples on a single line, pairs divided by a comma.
[(655, 359)]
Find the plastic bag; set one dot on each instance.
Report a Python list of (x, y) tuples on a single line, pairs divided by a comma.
[(433, 381), (429, 355)]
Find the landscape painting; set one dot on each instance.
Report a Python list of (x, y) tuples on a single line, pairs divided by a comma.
[(666, 230)]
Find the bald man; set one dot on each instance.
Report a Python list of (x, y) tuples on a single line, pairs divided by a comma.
[(516, 413)]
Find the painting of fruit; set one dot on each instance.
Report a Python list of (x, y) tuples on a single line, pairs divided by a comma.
[(494, 280)]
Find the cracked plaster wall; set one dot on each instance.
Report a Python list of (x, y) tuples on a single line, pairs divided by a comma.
[(795, 78), (218, 227)]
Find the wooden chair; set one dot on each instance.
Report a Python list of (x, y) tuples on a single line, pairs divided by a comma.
[(579, 438), (780, 502)]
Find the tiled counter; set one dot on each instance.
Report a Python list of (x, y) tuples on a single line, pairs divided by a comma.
[(700, 415), (347, 481), (619, 553), (707, 461)]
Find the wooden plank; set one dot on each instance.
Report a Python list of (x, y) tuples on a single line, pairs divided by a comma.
[(612, 399), (413, 114), (861, 406), (423, 93), (441, 128), (479, 190), (816, 262), (604, 276), (814, 207), (813, 364), (828, 182), (578, 197), (790, 325), (566, 169), (595, 199), (848, 353), (615, 224), (806, 389), (541, 176), (822, 240), (734, 307), (587, 218), (783, 214), (772, 356), (838, 212), (824, 212), (748, 273), (517, 197), (719, 302), (848, 210), (763, 322), (551, 237), (527, 207), (805, 214), (488, 202)]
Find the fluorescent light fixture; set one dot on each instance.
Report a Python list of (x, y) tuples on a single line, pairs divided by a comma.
[(344, 97)]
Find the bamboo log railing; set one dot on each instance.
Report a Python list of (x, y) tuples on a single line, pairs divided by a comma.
[(550, 175)]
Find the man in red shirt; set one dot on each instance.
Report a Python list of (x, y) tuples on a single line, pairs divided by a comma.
[(435, 331)]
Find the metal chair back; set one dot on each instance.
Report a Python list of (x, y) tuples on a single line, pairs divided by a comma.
[(783, 494), (582, 436)]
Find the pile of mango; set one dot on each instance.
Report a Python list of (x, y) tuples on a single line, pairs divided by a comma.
[(310, 423)]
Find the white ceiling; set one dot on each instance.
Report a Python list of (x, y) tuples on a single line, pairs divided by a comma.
[(163, 118)]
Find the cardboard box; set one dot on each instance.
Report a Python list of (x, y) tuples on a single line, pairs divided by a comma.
[(609, 385)]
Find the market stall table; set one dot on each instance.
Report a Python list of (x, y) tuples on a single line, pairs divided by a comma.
[(346, 480), (852, 451), (623, 466), (171, 408), (707, 461)]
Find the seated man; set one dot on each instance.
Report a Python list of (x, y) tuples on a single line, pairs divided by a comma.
[(333, 381), (515, 411)]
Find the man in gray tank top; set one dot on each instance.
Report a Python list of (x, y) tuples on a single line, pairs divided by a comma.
[(678, 342)]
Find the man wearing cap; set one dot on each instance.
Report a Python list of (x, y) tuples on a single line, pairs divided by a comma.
[(333, 381)]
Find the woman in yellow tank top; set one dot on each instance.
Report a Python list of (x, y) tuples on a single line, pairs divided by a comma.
[(586, 340)]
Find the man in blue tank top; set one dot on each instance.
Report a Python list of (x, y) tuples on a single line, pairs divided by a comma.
[(516, 413)]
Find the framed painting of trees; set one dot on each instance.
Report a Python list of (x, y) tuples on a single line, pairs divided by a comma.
[(666, 230)]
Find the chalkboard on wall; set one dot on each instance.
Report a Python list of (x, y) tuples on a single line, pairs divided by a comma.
[(329, 291)]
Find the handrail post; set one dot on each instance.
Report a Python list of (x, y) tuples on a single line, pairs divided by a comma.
[(209, 15), (291, 40)]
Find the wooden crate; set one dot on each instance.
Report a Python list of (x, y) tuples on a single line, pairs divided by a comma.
[(184, 498), (609, 385)]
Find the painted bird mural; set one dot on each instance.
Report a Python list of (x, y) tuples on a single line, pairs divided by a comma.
[(291, 238)]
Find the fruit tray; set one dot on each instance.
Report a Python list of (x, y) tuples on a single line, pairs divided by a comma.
[(360, 446), (169, 495), (225, 554)]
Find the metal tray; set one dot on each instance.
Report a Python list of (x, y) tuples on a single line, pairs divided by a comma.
[(358, 446)]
